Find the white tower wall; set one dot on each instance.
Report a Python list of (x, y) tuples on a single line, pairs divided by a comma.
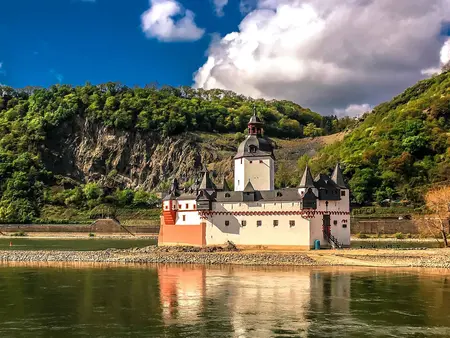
[(260, 171)]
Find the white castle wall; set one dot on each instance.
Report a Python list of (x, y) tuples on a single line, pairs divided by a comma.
[(260, 171), (187, 213), (217, 232)]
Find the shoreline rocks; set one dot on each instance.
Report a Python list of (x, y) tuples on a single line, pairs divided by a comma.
[(188, 255)]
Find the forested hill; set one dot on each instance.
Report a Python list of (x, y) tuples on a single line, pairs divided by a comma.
[(89, 145), (400, 148), (167, 111)]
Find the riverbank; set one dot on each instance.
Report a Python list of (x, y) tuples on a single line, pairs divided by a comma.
[(430, 258)]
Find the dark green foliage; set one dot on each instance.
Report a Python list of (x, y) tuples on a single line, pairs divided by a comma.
[(400, 148)]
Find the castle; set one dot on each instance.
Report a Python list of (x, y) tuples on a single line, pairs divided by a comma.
[(255, 214)]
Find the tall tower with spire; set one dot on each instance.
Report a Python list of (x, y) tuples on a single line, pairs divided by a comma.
[(254, 161)]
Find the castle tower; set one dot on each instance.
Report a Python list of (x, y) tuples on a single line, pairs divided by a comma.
[(254, 161), (338, 179)]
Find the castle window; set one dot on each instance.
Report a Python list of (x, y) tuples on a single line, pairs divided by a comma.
[(342, 192), (227, 195), (227, 223), (344, 225), (261, 161), (166, 207), (292, 223), (258, 223), (184, 218), (279, 194), (275, 222), (179, 206), (195, 206), (335, 222), (187, 206), (243, 223), (251, 162)]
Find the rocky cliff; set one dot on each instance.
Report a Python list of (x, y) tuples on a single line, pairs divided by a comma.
[(85, 151)]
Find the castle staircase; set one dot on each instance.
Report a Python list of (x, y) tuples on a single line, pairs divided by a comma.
[(170, 217), (332, 240)]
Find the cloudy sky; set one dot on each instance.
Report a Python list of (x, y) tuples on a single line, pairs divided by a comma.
[(334, 56)]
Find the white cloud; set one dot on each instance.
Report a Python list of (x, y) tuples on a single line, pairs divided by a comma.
[(159, 22), (2, 70), (430, 71), (330, 54), (219, 5), (444, 59), (353, 110)]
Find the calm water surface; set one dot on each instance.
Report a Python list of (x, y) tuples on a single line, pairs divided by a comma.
[(191, 301)]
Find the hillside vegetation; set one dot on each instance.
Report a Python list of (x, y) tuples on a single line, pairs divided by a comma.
[(109, 144), (400, 148)]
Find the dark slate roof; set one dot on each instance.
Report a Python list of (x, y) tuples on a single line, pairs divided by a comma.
[(249, 187), (325, 182), (225, 186), (205, 196), (254, 146), (254, 119), (338, 178), (189, 195), (282, 195), (173, 191), (307, 180), (206, 183)]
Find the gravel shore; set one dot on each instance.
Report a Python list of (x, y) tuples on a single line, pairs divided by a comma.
[(432, 258)]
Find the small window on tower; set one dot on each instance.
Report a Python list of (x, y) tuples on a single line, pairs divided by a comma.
[(258, 223), (184, 218), (251, 162), (243, 223), (275, 222), (344, 225), (227, 195), (292, 223), (227, 223), (261, 161), (342, 192), (187, 206), (166, 207)]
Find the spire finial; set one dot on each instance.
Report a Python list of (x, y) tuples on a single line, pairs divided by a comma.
[(254, 109)]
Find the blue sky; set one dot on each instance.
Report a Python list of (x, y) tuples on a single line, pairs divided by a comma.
[(73, 41), (334, 56)]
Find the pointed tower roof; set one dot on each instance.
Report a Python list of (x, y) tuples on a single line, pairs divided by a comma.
[(307, 179), (225, 186), (206, 183), (249, 187), (254, 119), (338, 178), (173, 190)]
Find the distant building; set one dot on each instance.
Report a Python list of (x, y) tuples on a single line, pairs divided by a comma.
[(255, 214)]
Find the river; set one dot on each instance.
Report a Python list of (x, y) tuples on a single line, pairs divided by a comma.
[(70, 300)]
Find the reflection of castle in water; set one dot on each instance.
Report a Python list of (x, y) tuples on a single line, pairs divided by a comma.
[(251, 301)]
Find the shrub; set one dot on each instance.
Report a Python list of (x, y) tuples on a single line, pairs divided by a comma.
[(91, 234), (362, 236), (399, 235), (20, 233)]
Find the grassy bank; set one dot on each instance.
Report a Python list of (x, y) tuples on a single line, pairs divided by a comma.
[(127, 216)]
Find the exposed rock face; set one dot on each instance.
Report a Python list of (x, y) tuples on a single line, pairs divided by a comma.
[(86, 151)]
